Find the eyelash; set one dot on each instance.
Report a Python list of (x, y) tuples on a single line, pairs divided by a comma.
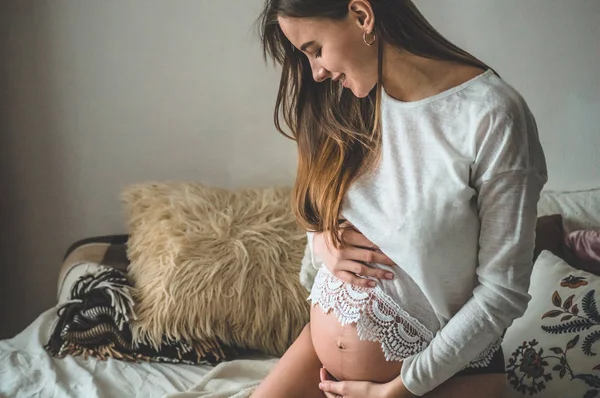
[(318, 53)]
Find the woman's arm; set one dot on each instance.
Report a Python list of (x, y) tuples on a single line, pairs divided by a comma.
[(508, 174)]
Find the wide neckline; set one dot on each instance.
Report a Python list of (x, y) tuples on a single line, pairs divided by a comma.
[(437, 96)]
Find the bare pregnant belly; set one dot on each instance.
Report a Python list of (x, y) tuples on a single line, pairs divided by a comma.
[(344, 355)]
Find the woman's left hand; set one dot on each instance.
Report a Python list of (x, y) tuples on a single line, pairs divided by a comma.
[(361, 389)]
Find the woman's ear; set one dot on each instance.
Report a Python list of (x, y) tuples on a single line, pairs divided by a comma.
[(362, 13)]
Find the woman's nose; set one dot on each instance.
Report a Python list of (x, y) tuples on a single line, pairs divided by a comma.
[(319, 74)]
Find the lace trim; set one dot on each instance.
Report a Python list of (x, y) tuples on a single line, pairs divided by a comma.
[(485, 358), (377, 317)]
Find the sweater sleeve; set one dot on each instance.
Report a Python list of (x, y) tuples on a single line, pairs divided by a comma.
[(314, 259), (508, 173)]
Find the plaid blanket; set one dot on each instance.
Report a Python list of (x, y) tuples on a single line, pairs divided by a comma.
[(95, 322)]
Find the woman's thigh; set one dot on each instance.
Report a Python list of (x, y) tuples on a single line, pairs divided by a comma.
[(492, 385), (296, 375)]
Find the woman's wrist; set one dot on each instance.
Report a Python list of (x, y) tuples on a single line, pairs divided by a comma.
[(399, 390)]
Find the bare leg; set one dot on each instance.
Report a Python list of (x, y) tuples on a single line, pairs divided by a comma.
[(296, 375)]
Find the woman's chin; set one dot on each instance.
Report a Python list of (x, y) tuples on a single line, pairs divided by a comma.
[(359, 93)]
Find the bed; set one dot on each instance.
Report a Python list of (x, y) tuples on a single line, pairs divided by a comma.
[(26, 369)]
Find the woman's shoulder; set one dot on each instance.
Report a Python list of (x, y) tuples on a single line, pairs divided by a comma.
[(495, 96)]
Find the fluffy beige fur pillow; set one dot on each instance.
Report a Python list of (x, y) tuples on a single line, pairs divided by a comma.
[(215, 267)]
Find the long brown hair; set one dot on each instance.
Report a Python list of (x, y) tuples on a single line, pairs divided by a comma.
[(339, 135)]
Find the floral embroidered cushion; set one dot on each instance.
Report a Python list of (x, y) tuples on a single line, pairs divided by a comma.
[(552, 350)]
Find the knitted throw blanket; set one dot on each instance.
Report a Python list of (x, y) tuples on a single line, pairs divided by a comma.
[(95, 322)]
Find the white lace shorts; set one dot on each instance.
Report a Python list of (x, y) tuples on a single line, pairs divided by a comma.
[(379, 318)]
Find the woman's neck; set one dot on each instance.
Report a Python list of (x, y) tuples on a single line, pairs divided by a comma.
[(408, 77)]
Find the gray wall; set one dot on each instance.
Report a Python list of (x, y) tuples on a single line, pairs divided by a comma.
[(96, 95)]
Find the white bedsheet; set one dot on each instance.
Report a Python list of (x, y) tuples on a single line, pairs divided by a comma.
[(26, 370), (235, 379)]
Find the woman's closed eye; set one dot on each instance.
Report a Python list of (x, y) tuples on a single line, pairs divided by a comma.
[(318, 53)]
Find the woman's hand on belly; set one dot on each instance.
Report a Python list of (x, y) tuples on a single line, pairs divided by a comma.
[(348, 262), (359, 365), (362, 389)]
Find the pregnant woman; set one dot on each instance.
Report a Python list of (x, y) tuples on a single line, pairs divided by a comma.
[(419, 173)]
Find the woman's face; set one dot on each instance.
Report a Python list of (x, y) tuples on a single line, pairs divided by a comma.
[(335, 49)]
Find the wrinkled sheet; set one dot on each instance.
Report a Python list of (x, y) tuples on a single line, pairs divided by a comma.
[(26, 370), (236, 379)]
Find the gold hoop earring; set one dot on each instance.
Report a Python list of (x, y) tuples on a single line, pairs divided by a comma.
[(367, 42)]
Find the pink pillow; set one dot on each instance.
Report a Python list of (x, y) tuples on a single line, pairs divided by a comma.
[(585, 245)]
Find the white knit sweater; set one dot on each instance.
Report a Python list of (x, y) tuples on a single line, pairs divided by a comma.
[(453, 203)]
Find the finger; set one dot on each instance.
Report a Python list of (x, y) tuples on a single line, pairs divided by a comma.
[(366, 256), (329, 376), (352, 279), (356, 268), (323, 375), (337, 387), (353, 237)]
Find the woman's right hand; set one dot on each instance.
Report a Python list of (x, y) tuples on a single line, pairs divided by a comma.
[(349, 261)]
